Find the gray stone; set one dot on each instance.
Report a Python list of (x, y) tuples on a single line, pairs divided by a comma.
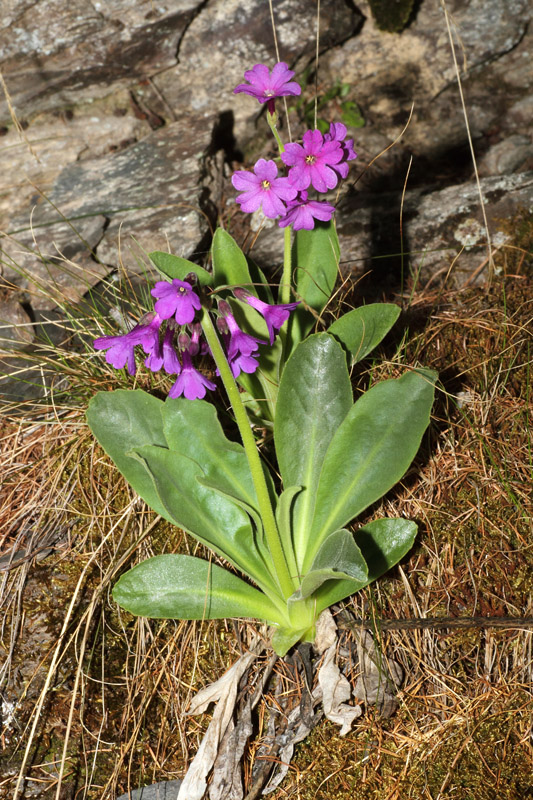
[(127, 102), (513, 154), (16, 329), (230, 36), (390, 73), (440, 228), (149, 192), (164, 790), (57, 52)]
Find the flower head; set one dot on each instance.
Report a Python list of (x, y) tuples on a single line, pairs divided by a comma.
[(240, 343), (190, 383), (301, 213), (240, 363), (312, 162), (266, 86), (275, 315), (263, 188), (337, 133), (121, 348), (176, 299)]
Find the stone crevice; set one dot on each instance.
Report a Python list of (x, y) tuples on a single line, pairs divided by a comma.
[(196, 13)]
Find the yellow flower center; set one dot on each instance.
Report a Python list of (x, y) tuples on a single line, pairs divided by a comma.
[(265, 185), (310, 159)]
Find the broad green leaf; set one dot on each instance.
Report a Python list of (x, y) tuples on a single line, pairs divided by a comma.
[(338, 558), (184, 587), (206, 514), (259, 540), (176, 267), (122, 420), (370, 451), (229, 262), (193, 430), (315, 396), (361, 329), (315, 261), (383, 543)]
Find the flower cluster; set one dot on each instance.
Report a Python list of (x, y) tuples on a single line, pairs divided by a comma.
[(319, 162), (170, 338)]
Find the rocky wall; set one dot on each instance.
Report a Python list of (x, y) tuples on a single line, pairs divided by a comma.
[(128, 130)]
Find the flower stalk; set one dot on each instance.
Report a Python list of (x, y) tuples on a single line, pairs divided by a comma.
[(275, 546)]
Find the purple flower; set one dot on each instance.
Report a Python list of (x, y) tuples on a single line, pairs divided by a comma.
[(312, 162), (263, 188), (154, 359), (120, 349), (191, 383), (240, 363), (301, 213), (176, 299), (275, 315), (265, 87), (171, 362), (337, 133), (240, 342)]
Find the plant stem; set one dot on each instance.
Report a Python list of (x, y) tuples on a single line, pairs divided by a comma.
[(285, 284), (256, 468), (272, 119)]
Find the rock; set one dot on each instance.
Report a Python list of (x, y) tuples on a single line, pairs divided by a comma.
[(149, 192), (126, 104), (513, 154), (56, 53), (390, 73), (230, 36), (55, 139), (440, 228), (164, 790), (16, 330)]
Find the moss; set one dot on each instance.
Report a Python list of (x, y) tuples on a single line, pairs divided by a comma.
[(391, 16), (480, 758)]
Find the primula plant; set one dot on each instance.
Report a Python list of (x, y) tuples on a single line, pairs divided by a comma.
[(277, 513)]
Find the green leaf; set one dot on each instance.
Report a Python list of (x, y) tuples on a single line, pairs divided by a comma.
[(315, 395), (261, 285), (351, 114), (391, 17), (193, 430), (383, 543), (284, 515), (122, 420), (370, 451), (259, 540), (204, 513), (175, 267), (315, 261), (230, 267), (361, 329), (184, 587), (284, 638), (338, 558)]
